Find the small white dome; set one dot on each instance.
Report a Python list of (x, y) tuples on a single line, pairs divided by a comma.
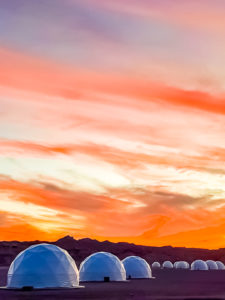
[(220, 265), (137, 267), (156, 265), (43, 266), (100, 265), (167, 265), (199, 265), (212, 265), (181, 265)]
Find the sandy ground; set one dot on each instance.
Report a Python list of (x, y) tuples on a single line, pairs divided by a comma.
[(171, 284)]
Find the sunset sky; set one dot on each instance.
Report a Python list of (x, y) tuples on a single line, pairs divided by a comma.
[(112, 121)]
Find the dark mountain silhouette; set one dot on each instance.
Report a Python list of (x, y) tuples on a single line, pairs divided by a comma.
[(80, 249)]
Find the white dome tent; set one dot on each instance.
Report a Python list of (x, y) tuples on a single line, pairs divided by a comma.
[(212, 265), (102, 266), (43, 266), (220, 265), (156, 265), (199, 265), (180, 265), (167, 265), (137, 267), (187, 265)]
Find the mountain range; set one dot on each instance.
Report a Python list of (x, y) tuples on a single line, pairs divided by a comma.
[(80, 249)]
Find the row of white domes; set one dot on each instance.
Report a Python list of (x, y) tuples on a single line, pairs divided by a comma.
[(49, 266), (196, 265)]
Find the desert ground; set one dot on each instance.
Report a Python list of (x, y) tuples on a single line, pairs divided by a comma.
[(168, 284)]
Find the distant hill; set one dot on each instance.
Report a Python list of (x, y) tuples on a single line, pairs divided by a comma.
[(80, 249)]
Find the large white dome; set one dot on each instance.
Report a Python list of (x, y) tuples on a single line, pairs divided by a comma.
[(220, 265), (212, 265), (199, 265), (137, 267), (43, 266), (156, 265), (167, 265), (100, 265)]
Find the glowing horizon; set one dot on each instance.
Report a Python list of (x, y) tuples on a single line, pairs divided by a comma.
[(112, 121)]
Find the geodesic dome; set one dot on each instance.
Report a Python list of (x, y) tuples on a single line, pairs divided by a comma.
[(156, 265), (220, 265), (187, 265), (100, 265), (167, 265), (199, 265), (43, 266), (137, 267), (181, 265), (212, 265)]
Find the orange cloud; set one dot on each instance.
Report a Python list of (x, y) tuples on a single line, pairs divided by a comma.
[(162, 223), (30, 74), (115, 156)]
